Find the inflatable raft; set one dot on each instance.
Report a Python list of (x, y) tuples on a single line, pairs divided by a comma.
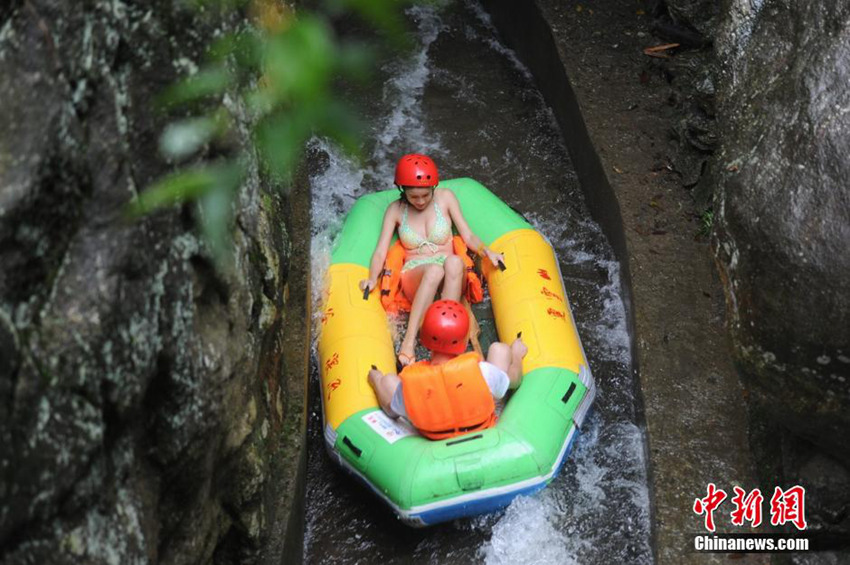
[(423, 481)]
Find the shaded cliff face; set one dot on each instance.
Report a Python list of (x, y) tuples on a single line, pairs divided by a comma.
[(783, 209), (140, 400), (782, 231)]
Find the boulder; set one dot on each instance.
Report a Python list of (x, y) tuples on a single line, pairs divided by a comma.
[(782, 209)]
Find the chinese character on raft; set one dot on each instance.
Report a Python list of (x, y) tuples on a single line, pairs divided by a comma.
[(747, 508), (709, 504), (788, 506), (332, 362)]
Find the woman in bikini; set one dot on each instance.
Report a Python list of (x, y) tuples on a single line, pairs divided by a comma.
[(423, 216)]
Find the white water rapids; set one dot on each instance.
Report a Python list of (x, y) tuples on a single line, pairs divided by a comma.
[(465, 99)]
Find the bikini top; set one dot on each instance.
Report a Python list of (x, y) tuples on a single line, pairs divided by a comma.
[(440, 233)]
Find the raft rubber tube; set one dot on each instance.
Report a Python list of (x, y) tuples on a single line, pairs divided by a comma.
[(426, 482)]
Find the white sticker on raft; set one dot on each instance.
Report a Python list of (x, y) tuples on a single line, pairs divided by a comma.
[(330, 436), (588, 381), (389, 429)]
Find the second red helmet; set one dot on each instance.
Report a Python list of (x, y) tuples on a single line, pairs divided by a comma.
[(417, 171), (445, 327)]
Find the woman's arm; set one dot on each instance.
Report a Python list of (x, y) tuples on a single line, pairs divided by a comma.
[(472, 241), (380, 253)]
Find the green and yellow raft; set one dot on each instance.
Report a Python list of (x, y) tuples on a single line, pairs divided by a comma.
[(423, 481)]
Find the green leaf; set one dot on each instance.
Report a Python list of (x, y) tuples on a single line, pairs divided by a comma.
[(211, 81), (183, 186), (300, 60), (216, 207), (246, 47), (260, 102), (341, 123), (284, 72), (184, 138), (281, 138), (355, 61)]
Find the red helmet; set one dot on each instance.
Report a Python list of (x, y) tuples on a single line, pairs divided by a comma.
[(445, 328), (416, 170)]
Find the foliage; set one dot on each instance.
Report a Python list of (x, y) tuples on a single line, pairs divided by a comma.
[(281, 67)]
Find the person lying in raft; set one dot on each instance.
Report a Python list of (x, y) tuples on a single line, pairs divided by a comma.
[(424, 215), (452, 394)]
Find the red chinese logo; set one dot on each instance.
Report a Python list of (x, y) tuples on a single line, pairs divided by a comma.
[(332, 362), (709, 504), (788, 506), (543, 274), (747, 508), (785, 506), (327, 315)]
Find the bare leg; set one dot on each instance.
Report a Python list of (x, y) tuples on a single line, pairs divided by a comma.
[(384, 386), (508, 359), (499, 355), (518, 353), (453, 283), (421, 283)]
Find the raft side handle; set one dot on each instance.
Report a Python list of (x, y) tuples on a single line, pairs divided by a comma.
[(463, 440), (354, 449), (569, 393)]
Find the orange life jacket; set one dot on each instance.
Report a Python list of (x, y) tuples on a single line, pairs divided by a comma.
[(392, 297), (447, 400), (473, 290)]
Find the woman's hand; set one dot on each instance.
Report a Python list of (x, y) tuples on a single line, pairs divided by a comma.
[(368, 283), (494, 257)]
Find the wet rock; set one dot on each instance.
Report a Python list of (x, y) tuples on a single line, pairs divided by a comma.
[(691, 71), (694, 132), (697, 140), (783, 210), (9, 357), (128, 364), (698, 15), (827, 484)]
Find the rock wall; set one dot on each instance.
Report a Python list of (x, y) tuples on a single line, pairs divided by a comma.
[(141, 401), (783, 209), (782, 230)]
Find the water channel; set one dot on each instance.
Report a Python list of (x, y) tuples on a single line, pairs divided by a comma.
[(463, 98)]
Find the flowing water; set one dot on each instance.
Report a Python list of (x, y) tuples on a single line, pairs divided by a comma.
[(465, 100)]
